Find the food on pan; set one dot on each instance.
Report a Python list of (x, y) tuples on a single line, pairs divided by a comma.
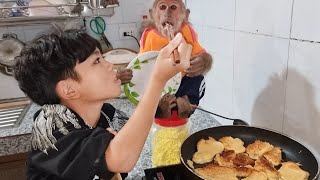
[(225, 158), (258, 148), (216, 172), (274, 156), (207, 149), (231, 143), (292, 171), (222, 160), (243, 159), (256, 175), (202, 157), (265, 166), (211, 145), (243, 171)]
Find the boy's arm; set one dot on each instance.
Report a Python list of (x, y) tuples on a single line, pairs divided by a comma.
[(124, 150)]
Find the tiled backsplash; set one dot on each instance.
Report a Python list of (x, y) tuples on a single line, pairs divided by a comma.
[(266, 67)]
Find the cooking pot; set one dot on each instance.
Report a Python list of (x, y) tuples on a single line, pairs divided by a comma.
[(292, 150), (10, 47)]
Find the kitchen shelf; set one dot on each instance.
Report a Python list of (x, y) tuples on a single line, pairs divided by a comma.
[(86, 12)]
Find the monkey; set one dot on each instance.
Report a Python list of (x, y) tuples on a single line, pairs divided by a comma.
[(155, 36)]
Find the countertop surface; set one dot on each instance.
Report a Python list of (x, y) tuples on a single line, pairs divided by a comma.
[(16, 140)]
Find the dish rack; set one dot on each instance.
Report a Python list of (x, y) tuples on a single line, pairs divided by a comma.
[(78, 9)]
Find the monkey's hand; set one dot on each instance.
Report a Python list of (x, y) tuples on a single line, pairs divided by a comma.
[(166, 103), (125, 75), (199, 65), (185, 109)]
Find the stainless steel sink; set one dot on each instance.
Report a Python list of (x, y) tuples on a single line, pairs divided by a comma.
[(11, 115)]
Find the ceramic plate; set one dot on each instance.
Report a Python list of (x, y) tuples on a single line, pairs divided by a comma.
[(142, 67)]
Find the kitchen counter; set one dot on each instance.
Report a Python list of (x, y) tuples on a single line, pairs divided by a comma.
[(17, 140)]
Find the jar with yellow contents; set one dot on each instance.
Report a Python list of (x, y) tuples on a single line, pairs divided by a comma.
[(167, 136)]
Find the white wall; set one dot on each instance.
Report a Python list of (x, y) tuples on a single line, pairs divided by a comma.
[(267, 59)]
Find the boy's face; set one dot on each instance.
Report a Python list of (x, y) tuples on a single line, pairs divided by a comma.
[(98, 80)]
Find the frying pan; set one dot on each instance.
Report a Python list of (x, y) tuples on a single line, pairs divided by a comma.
[(292, 150)]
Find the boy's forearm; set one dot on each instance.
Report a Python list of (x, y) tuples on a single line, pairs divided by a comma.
[(124, 150)]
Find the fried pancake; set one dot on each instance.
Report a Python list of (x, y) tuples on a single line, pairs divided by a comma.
[(216, 172), (231, 143), (243, 171), (265, 166), (292, 171), (225, 158), (202, 157), (274, 156), (243, 159), (190, 164), (211, 145), (258, 148), (256, 175)]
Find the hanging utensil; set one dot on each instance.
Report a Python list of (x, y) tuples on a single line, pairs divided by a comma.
[(98, 26), (10, 47), (235, 121)]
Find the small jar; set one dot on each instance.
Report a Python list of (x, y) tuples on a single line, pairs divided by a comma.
[(167, 136)]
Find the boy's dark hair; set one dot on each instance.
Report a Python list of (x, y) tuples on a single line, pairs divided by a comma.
[(49, 59)]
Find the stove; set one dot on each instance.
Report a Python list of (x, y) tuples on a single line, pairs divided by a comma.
[(173, 172)]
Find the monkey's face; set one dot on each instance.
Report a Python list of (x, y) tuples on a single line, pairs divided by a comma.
[(171, 12)]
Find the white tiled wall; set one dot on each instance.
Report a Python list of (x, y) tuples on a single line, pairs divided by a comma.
[(220, 44), (271, 17), (305, 24), (258, 86), (269, 73)]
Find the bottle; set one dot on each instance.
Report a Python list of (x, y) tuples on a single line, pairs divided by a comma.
[(167, 136)]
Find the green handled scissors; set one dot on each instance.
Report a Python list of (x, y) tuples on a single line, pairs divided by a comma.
[(98, 26)]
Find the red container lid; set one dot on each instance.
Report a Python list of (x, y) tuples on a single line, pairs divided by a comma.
[(173, 121)]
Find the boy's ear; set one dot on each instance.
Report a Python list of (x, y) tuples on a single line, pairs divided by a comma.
[(66, 89)]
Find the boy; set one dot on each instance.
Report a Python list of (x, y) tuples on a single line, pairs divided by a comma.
[(72, 136)]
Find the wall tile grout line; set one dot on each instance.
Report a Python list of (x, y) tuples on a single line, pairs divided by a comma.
[(287, 70), (233, 64)]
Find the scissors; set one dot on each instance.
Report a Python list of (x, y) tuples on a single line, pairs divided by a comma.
[(98, 26)]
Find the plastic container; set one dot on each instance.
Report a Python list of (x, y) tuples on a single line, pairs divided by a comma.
[(166, 139)]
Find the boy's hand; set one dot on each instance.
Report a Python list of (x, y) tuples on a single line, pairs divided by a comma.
[(185, 109), (125, 75), (164, 67), (166, 103), (111, 131)]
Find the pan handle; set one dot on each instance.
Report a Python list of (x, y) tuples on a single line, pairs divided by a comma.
[(238, 122)]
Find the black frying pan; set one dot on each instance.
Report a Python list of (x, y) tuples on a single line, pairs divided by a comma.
[(292, 150)]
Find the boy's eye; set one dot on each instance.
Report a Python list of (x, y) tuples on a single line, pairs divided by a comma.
[(97, 61)]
